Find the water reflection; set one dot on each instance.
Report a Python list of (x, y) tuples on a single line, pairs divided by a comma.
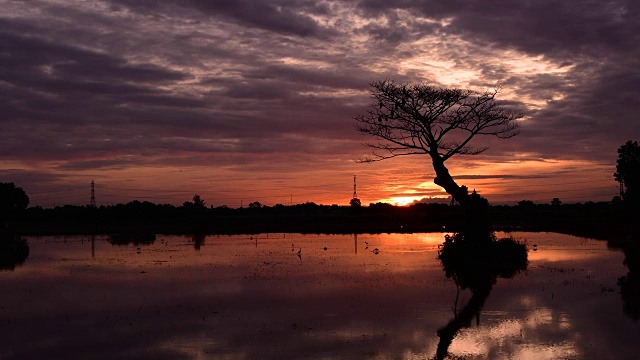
[(476, 266), (231, 299), (14, 250), (93, 246), (630, 283), (355, 243), (198, 241)]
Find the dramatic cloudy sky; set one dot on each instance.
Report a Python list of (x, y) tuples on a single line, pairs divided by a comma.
[(253, 100)]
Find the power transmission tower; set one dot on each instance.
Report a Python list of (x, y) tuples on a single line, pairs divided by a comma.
[(355, 202), (92, 202), (355, 195)]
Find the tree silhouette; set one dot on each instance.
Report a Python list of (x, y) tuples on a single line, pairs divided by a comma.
[(198, 202), (12, 199), (628, 171), (439, 122), (255, 204)]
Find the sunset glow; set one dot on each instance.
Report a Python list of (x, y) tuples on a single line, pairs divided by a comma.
[(159, 101)]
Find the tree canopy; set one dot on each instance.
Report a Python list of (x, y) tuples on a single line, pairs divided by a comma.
[(12, 197), (439, 122)]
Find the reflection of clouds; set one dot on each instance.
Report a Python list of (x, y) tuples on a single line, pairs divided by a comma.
[(199, 347), (521, 338), (235, 301), (558, 351)]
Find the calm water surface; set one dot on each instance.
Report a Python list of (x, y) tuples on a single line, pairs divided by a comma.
[(284, 296)]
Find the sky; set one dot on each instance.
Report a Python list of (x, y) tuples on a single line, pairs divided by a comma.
[(243, 101)]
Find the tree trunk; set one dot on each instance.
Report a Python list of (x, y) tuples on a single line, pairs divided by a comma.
[(444, 179), (476, 225)]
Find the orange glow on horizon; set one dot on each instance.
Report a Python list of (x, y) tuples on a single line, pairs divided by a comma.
[(398, 182)]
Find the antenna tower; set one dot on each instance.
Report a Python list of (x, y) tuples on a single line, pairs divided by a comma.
[(92, 202), (355, 195)]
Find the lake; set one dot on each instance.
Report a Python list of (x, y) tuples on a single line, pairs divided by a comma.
[(293, 296)]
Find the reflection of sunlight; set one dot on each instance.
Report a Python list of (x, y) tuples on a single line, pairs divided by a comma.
[(199, 348), (537, 352), (432, 238), (508, 335)]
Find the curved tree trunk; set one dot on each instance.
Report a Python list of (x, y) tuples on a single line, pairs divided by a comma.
[(444, 179), (476, 223)]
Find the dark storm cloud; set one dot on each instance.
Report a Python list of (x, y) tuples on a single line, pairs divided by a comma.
[(306, 77), (546, 27), (592, 120), (34, 60), (33, 177), (105, 103), (55, 84), (281, 16)]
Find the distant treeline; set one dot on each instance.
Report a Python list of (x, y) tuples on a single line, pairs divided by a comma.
[(602, 220)]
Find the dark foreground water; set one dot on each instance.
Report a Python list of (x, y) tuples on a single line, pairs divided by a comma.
[(284, 296)]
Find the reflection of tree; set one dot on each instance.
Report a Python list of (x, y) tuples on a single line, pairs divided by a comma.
[(475, 265), (198, 240), (630, 283), (13, 250)]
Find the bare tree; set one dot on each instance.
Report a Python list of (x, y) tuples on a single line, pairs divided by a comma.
[(439, 122)]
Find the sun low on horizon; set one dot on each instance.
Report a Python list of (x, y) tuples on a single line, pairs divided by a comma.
[(161, 101)]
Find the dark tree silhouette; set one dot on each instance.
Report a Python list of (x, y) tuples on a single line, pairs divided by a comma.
[(630, 283), (13, 197), (628, 171), (439, 122), (12, 200), (14, 250), (255, 205), (355, 202), (198, 202)]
